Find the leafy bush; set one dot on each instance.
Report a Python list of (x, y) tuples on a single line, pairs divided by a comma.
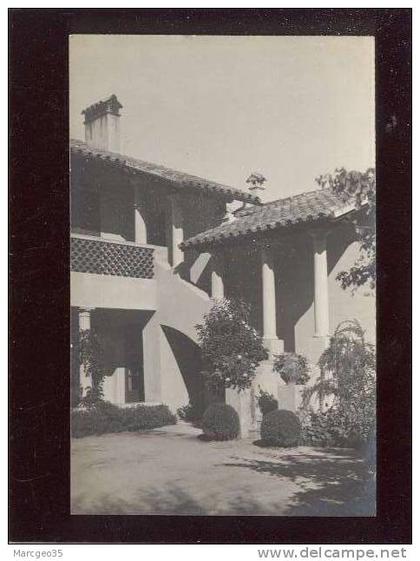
[(281, 428), (91, 357), (360, 188), (231, 348), (267, 402), (105, 418), (348, 378), (220, 422), (293, 368), (343, 427)]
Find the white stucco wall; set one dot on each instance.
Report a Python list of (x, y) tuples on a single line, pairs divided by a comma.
[(181, 305), (173, 388), (294, 268), (108, 291), (344, 304)]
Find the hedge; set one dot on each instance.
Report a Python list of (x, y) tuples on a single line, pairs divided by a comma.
[(106, 418)]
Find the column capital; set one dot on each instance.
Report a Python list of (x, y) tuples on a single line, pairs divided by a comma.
[(85, 318), (85, 310)]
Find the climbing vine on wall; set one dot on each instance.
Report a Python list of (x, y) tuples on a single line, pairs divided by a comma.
[(91, 357)]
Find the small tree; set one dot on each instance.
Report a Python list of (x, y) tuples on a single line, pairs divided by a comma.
[(361, 188), (348, 378), (351, 363), (230, 346), (292, 367), (91, 358)]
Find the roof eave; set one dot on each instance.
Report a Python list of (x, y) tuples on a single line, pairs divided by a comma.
[(334, 217), (227, 193)]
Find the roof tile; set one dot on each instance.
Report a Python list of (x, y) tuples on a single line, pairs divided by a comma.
[(305, 207), (180, 178)]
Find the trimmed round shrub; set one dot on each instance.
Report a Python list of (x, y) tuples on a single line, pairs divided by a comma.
[(220, 422), (281, 428)]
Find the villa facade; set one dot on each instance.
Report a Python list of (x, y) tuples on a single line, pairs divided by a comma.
[(151, 247)]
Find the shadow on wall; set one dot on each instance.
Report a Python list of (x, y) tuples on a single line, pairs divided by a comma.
[(294, 288), (188, 357), (294, 277), (121, 335), (295, 282), (242, 279), (196, 269)]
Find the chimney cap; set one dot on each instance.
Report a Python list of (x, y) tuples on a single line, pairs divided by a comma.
[(102, 107)]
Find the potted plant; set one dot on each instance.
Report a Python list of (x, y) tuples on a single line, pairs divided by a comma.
[(292, 367)]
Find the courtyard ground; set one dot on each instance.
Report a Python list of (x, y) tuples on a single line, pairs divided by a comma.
[(172, 471)]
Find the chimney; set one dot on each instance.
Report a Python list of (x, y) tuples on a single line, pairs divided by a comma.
[(102, 127)]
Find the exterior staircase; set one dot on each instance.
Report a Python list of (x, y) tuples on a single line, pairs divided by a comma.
[(172, 356), (181, 305)]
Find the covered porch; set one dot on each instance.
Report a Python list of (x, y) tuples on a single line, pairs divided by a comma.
[(128, 341)]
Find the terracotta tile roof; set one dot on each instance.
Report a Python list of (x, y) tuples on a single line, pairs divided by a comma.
[(303, 208), (178, 178)]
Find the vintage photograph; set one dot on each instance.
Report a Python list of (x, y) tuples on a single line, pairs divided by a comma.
[(223, 275)]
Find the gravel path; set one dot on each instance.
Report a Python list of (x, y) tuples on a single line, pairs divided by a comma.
[(171, 471)]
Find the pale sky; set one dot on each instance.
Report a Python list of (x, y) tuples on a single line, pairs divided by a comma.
[(222, 107)]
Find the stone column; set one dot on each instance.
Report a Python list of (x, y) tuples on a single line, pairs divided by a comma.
[(176, 230), (140, 228), (217, 284), (271, 341), (321, 299), (84, 325), (152, 353)]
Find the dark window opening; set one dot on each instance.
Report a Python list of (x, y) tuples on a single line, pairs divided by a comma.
[(85, 212)]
